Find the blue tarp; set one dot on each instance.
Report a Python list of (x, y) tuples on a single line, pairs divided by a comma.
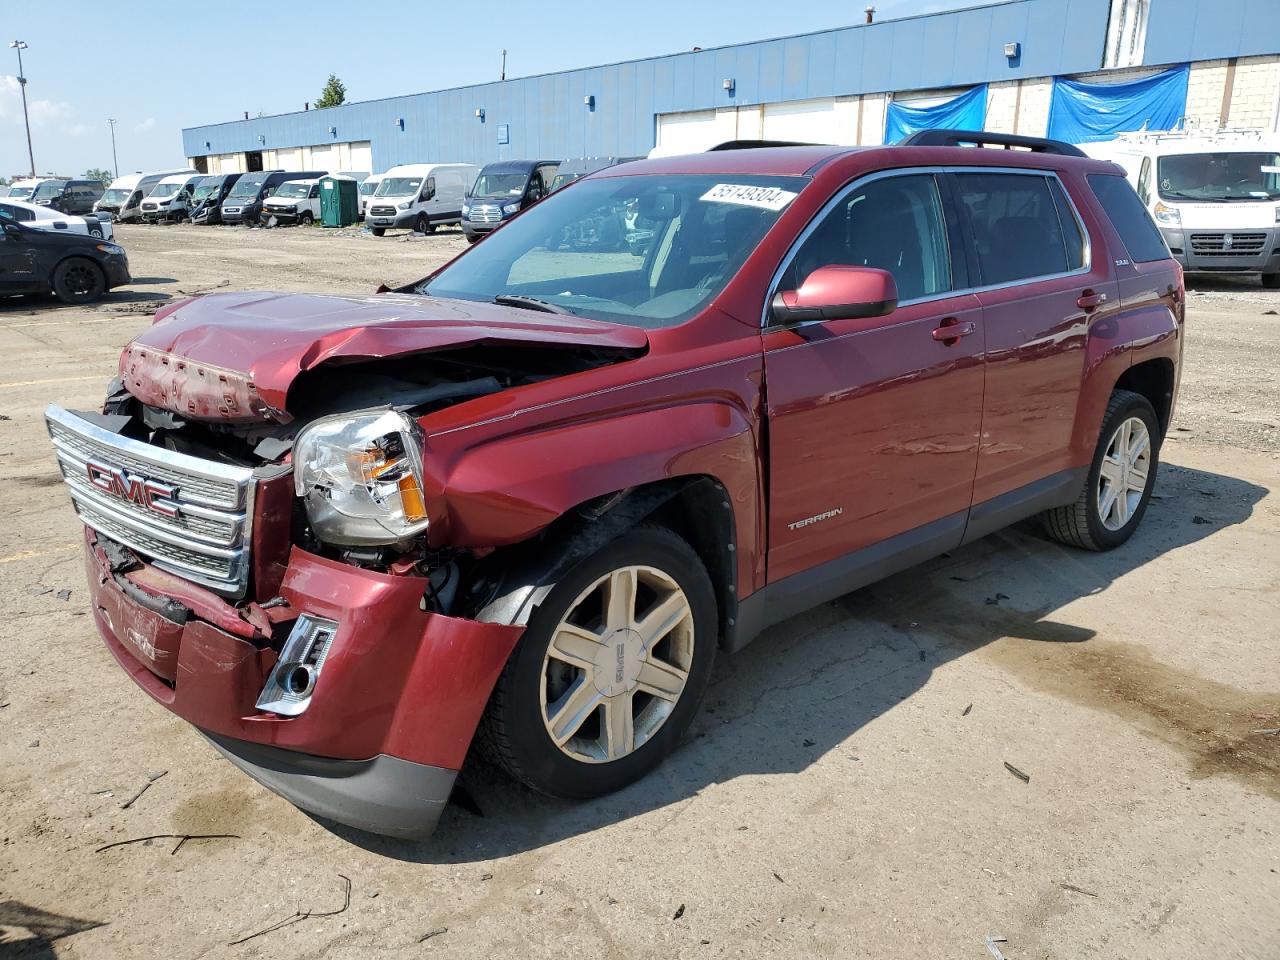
[(1086, 112), (965, 112)]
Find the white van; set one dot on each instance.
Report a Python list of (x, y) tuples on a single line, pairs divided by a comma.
[(295, 201), (367, 189), (420, 196), (23, 188), (1215, 196), (122, 201), (170, 199)]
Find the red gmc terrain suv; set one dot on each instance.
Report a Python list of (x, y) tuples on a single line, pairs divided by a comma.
[(524, 501)]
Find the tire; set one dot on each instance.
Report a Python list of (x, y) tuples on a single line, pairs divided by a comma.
[(307, 218), (473, 237), (78, 280), (516, 730), (1084, 523), (378, 231), (1271, 281), (423, 224)]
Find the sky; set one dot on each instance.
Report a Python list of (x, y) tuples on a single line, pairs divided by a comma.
[(156, 67)]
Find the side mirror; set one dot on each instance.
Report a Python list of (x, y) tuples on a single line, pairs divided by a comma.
[(837, 292)]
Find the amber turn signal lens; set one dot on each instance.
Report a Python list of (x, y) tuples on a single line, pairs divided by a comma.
[(411, 501)]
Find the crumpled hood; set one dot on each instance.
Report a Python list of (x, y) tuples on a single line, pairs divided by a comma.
[(233, 356)]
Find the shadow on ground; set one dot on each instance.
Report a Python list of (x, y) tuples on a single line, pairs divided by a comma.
[(806, 686), (28, 933)]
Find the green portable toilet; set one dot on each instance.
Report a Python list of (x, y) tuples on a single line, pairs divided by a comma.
[(339, 201)]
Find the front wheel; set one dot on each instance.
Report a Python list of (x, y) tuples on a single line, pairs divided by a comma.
[(1120, 481), (423, 224), (78, 280), (1271, 281), (307, 218), (610, 670), (378, 231)]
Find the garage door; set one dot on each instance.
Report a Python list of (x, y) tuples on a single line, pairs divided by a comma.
[(361, 156), (324, 157), (290, 159), (806, 121), (689, 132)]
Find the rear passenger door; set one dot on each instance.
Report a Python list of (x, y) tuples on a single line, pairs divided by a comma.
[(873, 422), (1039, 293)]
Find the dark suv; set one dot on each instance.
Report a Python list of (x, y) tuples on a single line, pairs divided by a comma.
[(528, 499), (75, 197), (502, 190)]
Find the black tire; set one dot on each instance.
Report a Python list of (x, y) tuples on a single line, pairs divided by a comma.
[(78, 280), (307, 218), (513, 733), (1271, 281), (378, 231), (1080, 524), (423, 224), (473, 237)]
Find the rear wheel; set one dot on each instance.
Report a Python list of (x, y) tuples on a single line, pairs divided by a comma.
[(77, 280), (1271, 281), (378, 231), (1121, 478), (610, 669)]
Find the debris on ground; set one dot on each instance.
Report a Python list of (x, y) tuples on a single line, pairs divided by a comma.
[(995, 601), (966, 710), (777, 877), (679, 913), (1074, 889), (992, 940), (1199, 519), (151, 778), (808, 743), (39, 590), (438, 931), (301, 915), (180, 837), (64, 595), (1024, 777)]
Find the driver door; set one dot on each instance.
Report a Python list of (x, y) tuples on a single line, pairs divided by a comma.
[(873, 423), (19, 256)]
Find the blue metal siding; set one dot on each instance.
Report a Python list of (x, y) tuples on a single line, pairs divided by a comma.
[(547, 116)]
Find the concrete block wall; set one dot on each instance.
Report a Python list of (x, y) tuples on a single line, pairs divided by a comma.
[(1255, 96)]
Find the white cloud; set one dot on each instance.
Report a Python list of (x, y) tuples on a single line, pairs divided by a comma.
[(145, 125), (78, 129), (43, 112)]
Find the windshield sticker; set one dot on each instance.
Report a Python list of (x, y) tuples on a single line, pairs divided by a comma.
[(1271, 169), (767, 198)]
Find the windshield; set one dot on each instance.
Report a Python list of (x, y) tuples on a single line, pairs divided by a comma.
[(116, 196), (206, 188), (398, 186), (20, 193), (163, 190), (646, 251), (1218, 176), (293, 190), (367, 188), (499, 185), (246, 187), (49, 189)]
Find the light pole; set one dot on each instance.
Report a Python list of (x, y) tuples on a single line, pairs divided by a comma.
[(21, 45), (115, 164)]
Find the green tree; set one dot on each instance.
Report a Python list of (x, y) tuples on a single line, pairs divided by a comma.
[(96, 173), (333, 94)]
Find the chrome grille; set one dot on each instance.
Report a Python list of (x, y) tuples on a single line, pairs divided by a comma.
[(485, 214), (207, 542), (382, 211), (1241, 245)]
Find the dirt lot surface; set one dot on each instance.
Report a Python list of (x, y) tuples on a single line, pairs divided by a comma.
[(844, 792)]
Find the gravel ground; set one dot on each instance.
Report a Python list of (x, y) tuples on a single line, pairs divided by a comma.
[(845, 792)]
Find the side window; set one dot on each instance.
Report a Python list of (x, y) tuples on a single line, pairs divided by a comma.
[(1130, 218), (1144, 180), (1072, 237), (315, 191), (894, 223), (429, 189), (1016, 226)]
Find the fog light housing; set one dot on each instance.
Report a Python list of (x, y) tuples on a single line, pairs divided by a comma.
[(293, 679)]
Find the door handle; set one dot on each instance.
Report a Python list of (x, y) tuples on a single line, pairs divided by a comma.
[(1090, 300), (951, 330)]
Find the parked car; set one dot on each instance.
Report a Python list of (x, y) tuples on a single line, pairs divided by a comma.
[(535, 493), (76, 267), (502, 190), (368, 187), (419, 196), (68, 196), (207, 198), (1215, 197), (244, 202), (571, 170), (122, 200), (22, 188), (297, 201), (170, 200), (43, 218)]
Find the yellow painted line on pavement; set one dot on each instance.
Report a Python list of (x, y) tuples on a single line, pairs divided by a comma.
[(28, 554), (36, 383)]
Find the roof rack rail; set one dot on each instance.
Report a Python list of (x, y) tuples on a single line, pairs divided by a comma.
[(754, 144), (1009, 141)]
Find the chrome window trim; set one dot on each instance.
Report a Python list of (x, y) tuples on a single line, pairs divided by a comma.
[(830, 205)]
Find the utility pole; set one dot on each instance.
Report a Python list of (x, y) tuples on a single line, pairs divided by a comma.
[(503, 74), (115, 164), (21, 45)]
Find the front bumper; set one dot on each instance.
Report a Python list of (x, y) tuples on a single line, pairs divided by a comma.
[(245, 214), (1251, 250), (284, 216), (401, 219), (393, 710), (117, 271)]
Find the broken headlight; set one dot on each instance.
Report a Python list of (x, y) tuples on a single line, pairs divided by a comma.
[(360, 476)]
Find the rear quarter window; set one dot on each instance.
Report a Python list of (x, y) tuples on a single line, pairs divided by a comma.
[(1129, 216)]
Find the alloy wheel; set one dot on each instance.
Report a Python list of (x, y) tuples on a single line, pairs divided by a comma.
[(617, 664), (1123, 476)]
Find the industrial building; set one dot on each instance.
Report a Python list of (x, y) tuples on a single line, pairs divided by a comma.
[(1009, 63)]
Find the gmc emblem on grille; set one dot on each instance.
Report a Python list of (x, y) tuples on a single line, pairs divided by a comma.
[(149, 494)]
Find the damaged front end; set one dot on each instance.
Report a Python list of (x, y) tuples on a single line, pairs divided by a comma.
[(258, 554)]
